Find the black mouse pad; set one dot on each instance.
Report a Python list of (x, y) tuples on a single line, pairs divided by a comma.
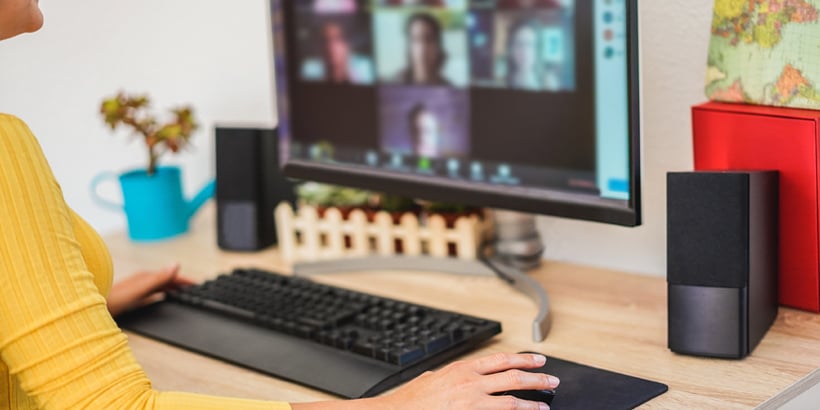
[(587, 388)]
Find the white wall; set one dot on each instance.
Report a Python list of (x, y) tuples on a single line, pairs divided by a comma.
[(674, 40), (212, 54), (215, 55)]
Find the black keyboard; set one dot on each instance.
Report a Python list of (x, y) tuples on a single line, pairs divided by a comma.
[(344, 342)]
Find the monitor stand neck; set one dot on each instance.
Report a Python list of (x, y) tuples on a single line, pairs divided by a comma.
[(517, 242), (518, 247)]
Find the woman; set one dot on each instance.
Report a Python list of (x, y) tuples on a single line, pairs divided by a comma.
[(60, 348), (336, 54), (425, 51), (524, 67), (424, 131)]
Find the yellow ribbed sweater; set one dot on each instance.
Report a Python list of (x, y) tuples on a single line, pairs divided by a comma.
[(59, 347)]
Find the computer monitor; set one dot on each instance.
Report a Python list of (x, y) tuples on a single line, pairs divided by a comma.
[(528, 105)]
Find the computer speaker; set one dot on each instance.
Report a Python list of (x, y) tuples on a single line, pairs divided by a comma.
[(722, 248), (249, 186)]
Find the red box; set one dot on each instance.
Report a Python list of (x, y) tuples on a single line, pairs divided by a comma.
[(735, 136)]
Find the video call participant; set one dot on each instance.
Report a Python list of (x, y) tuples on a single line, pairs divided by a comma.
[(60, 347), (336, 54), (525, 66), (339, 62), (425, 51), (524, 70), (424, 131)]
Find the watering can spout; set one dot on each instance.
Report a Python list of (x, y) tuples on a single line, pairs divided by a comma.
[(204, 194)]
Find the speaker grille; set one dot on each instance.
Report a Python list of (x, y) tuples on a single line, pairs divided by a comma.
[(237, 225), (708, 228)]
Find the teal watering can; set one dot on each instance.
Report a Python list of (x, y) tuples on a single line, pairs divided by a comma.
[(153, 205)]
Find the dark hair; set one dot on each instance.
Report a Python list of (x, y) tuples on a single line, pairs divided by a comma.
[(435, 26), (524, 23)]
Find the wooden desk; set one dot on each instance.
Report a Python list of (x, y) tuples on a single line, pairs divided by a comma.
[(606, 319)]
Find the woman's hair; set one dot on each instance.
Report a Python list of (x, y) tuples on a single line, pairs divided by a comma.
[(512, 69), (438, 35)]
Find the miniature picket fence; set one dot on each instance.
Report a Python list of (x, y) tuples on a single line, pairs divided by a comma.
[(305, 236)]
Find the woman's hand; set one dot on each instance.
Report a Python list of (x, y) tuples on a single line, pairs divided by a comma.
[(144, 287), (467, 385)]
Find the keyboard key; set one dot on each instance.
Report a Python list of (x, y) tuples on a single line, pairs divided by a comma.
[(437, 343), (383, 354), (406, 355), (364, 348)]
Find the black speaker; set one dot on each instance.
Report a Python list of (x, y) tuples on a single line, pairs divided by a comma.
[(249, 185), (721, 260)]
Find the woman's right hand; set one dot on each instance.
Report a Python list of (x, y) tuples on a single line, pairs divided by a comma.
[(467, 385), (470, 384)]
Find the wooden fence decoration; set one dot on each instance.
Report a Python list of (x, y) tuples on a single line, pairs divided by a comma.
[(305, 236)]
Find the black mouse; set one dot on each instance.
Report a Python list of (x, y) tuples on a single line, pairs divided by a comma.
[(541, 396)]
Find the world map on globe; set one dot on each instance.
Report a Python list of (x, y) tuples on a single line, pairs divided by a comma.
[(765, 52)]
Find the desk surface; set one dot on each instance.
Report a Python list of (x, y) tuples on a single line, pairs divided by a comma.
[(607, 319)]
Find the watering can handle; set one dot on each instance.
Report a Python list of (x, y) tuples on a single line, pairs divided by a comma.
[(105, 203), (204, 194)]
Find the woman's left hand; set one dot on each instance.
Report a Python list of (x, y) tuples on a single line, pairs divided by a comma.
[(143, 288)]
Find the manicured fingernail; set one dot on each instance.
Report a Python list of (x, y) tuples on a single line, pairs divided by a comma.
[(543, 406), (554, 382), (539, 360)]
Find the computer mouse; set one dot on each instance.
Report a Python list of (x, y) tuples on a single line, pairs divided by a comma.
[(541, 396)]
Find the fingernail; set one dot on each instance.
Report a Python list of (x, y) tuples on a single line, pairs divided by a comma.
[(554, 382), (543, 406), (539, 360)]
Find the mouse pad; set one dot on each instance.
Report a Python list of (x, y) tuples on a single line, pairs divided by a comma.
[(587, 388)]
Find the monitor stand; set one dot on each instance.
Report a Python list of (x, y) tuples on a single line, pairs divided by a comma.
[(523, 251), (517, 241)]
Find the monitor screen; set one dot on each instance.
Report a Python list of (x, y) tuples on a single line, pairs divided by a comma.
[(527, 105)]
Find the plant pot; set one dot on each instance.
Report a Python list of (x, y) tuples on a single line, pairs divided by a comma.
[(154, 205)]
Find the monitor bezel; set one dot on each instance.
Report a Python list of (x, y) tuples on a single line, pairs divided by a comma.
[(537, 201)]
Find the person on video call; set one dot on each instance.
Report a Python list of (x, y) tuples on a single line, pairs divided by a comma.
[(425, 132), (60, 347), (425, 51), (525, 67), (339, 62), (336, 54)]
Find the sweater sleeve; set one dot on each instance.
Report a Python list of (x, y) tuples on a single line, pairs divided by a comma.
[(56, 335)]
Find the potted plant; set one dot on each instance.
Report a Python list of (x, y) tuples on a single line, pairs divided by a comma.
[(397, 206), (324, 196), (451, 212), (153, 200)]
